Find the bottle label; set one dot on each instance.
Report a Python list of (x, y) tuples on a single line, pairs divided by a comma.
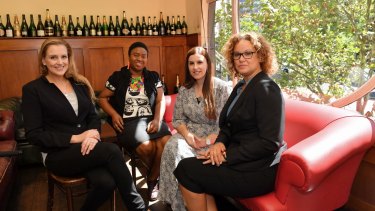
[(173, 32), (184, 31), (133, 32), (112, 33), (2, 32), (79, 32), (125, 31), (49, 31), (9, 33), (71, 33), (24, 34), (93, 32), (64, 33), (99, 33), (40, 33), (178, 31), (155, 33), (162, 31)]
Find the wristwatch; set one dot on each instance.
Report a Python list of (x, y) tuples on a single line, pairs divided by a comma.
[(208, 142)]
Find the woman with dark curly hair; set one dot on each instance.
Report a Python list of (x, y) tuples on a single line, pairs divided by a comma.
[(243, 160)]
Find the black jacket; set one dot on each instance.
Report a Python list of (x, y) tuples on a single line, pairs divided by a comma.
[(49, 118), (253, 130)]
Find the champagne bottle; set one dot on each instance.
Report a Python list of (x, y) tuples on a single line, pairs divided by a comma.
[(8, 27), (117, 27), (40, 28), (32, 29), (173, 27), (143, 27), (16, 28), (64, 27), (165, 88), (85, 28), (24, 27), (168, 27), (125, 25), (99, 28), (161, 25), (105, 26), (138, 27), (178, 26), (149, 27), (132, 28), (184, 26), (57, 28), (48, 25), (78, 29), (70, 26), (92, 26), (2, 28), (177, 86), (111, 27), (155, 28)]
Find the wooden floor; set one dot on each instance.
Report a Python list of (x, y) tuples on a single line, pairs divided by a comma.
[(30, 193)]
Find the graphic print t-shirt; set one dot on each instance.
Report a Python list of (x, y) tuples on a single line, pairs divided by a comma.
[(136, 101)]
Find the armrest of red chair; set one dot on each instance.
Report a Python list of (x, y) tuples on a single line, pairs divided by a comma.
[(170, 101), (308, 163), (6, 125)]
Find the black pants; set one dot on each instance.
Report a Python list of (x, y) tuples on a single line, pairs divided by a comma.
[(105, 170), (223, 180)]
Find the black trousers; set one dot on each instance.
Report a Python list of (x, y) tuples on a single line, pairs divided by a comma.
[(105, 170), (223, 180)]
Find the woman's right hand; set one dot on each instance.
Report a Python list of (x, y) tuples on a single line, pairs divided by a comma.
[(92, 133), (117, 122)]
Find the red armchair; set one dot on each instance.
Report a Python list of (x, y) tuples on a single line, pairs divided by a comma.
[(170, 100), (325, 148), (7, 162)]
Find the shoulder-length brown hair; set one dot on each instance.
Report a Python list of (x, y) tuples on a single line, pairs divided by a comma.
[(207, 89), (267, 57), (72, 71)]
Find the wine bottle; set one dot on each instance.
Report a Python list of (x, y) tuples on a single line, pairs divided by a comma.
[(2, 28), (40, 28), (57, 28), (132, 28), (178, 26), (138, 27), (32, 29), (125, 25), (173, 27), (85, 27), (48, 25), (92, 26), (144, 27), (105, 26), (16, 28), (99, 28), (177, 86), (64, 27), (165, 88), (78, 29), (161, 25), (117, 27), (111, 27), (149, 27), (184, 26), (24, 27), (155, 28), (71, 31), (168, 27), (8, 27)]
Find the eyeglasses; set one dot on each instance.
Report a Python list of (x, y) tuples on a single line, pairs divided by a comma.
[(246, 55)]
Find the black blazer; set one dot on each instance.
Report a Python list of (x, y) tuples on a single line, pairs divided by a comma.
[(49, 118), (253, 130)]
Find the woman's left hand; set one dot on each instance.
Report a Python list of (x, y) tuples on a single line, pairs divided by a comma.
[(87, 145), (153, 126), (215, 155)]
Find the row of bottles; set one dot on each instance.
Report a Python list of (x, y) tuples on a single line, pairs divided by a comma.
[(100, 28)]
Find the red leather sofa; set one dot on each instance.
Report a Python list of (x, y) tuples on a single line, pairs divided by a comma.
[(316, 172), (7, 162)]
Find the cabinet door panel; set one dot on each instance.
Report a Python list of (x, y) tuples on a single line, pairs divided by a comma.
[(17, 68)]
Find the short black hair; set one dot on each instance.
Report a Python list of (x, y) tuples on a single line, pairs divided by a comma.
[(136, 45)]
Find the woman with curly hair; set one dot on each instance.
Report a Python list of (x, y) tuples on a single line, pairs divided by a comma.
[(243, 160)]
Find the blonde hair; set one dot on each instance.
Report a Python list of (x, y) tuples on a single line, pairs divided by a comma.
[(267, 57), (72, 71)]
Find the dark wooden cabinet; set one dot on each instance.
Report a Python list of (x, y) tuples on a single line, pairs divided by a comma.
[(95, 57)]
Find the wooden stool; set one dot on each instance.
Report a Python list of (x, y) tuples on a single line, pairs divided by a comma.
[(66, 185)]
